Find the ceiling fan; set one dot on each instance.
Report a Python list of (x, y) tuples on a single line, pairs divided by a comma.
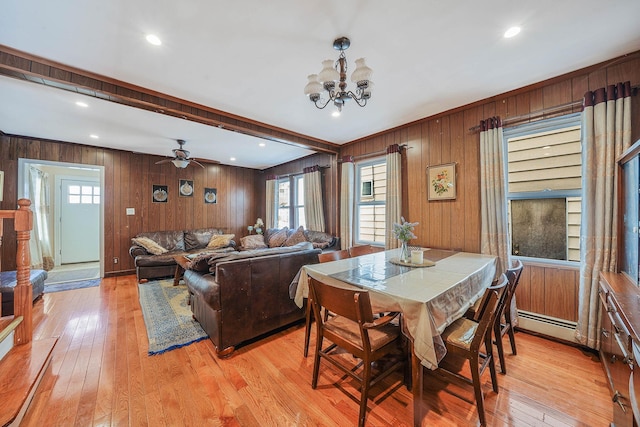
[(181, 157)]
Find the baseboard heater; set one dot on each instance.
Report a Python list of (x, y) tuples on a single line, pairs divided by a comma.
[(547, 325)]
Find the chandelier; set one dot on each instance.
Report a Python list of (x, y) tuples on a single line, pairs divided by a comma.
[(331, 81)]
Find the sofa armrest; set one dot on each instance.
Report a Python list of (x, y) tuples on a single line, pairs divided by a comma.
[(136, 250)]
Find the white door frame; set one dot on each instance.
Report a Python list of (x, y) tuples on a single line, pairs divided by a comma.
[(23, 190)]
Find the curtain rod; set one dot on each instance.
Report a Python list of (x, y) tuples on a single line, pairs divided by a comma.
[(537, 114), (534, 114), (375, 153), (287, 175)]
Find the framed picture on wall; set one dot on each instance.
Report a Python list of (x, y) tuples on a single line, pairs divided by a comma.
[(441, 181), (160, 194), (210, 195), (185, 187)]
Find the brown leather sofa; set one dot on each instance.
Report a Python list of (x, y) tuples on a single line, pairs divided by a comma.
[(179, 242), (246, 294)]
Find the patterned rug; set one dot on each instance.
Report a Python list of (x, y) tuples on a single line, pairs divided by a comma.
[(167, 316), (67, 286)]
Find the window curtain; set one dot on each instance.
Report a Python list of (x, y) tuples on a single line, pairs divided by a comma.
[(393, 207), (40, 240), (606, 133), (313, 206), (347, 202), (493, 202), (271, 196)]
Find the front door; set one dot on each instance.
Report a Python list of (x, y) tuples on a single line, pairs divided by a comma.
[(79, 220)]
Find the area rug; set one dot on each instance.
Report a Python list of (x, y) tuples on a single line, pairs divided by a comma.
[(60, 275), (167, 316), (68, 286)]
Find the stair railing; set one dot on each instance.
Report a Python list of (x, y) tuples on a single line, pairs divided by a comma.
[(23, 292)]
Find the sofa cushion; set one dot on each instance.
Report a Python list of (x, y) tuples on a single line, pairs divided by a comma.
[(199, 261), (278, 238), (198, 239), (150, 245), (253, 241), (295, 237), (319, 239), (255, 253), (170, 240), (220, 241)]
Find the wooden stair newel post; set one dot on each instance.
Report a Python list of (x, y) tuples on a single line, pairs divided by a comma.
[(22, 295)]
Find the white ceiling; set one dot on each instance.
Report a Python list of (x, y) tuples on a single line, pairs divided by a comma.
[(251, 58)]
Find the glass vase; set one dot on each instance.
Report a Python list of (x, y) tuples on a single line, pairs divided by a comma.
[(405, 255)]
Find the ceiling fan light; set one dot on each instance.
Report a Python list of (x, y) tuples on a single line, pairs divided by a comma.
[(180, 163), (328, 73)]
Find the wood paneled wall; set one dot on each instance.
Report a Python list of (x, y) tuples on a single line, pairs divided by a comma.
[(128, 181), (447, 138)]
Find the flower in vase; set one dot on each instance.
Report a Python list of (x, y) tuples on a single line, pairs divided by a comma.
[(404, 231)]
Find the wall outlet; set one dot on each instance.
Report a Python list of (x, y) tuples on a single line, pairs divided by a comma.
[(131, 211), (115, 260)]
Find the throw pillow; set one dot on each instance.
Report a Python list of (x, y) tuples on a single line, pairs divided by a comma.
[(296, 237), (151, 246), (278, 238), (220, 241), (253, 241)]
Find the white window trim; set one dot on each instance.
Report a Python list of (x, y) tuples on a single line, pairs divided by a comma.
[(527, 129), (358, 174)]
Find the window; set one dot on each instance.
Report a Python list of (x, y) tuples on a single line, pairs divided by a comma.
[(371, 181), (291, 202), (84, 194), (544, 194)]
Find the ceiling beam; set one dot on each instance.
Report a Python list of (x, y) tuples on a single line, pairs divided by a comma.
[(24, 66)]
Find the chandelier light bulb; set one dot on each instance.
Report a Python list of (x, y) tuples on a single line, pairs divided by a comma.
[(362, 72), (328, 73)]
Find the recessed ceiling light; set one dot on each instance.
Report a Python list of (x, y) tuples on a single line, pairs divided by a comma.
[(336, 113), (153, 39), (233, 159), (82, 104), (262, 144), (94, 136), (511, 32)]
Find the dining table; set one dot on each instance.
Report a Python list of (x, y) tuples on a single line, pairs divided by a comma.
[(430, 295)]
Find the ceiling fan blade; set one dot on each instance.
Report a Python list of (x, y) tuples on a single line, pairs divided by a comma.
[(163, 161), (196, 162)]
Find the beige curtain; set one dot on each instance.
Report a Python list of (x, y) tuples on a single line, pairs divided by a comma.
[(40, 240), (347, 202), (313, 206), (271, 195), (606, 133), (393, 208), (493, 202)]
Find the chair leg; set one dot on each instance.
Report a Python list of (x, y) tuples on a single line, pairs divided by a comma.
[(512, 338), (316, 362), (307, 327), (497, 332), (364, 396), (477, 387)]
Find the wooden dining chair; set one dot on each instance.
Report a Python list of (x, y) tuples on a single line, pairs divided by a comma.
[(322, 257), (333, 255), (504, 324), (465, 338), (363, 250), (354, 329)]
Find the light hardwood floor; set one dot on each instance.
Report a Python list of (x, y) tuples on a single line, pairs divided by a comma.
[(100, 375)]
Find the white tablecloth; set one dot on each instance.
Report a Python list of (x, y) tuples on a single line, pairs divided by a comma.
[(430, 298)]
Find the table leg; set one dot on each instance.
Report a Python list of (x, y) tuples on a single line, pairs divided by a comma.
[(178, 275), (416, 388)]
